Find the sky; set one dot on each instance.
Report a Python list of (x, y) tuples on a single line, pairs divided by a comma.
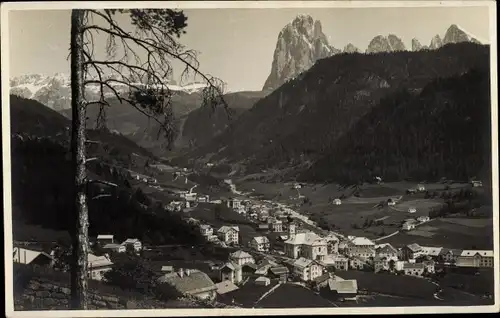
[(237, 45)]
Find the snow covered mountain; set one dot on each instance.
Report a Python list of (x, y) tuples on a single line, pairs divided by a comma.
[(55, 92)]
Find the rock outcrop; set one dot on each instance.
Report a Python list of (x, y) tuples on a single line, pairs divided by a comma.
[(350, 48), (436, 42), (390, 43), (300, 44), (455, 34)]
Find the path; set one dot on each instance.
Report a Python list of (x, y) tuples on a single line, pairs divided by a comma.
[(268, 293), (384, 237)]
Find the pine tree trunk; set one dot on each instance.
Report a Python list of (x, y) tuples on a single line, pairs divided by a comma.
[(80, 231)]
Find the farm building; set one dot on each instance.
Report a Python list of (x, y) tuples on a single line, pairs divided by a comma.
[(407, 226), (414, 269), (260, 243), (105, 239), (117, 248), (412, 210), (475, 258), (411, 251), (344, 289), (450, 255), (262, 281), (337, 202), (225, 287), (27, 256)]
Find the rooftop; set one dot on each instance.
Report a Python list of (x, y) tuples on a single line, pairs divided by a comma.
[(386, 248), (261, 239), (112, 245), (302, 262), (131, 241), (192, 283), (225, 229), (307, 238), (105, 237), (279, 270), (414, 247), (225, 287), (347, 286), (431, 251), (485, 253), (449, 250), (362, 241), (413, 266), (240, 254)]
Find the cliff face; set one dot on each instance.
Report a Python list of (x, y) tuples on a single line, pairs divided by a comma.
[(390, 43), (300, 44)]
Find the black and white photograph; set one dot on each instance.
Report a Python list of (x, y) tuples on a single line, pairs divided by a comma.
[(220, 158)]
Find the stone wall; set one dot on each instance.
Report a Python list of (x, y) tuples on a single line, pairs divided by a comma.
[(46, 289)]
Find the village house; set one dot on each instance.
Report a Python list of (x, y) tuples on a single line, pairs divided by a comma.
[(248, 269), (276, 225), (262, 281), (380, 264), (229, 234), (241, 258), (343, 289), (341, 263), (391, 202), (476, 183), (322, 281), (206, 230), (104, 239), (357, 263), (307, 269), (362, 252), (115, 248), (308, 245), (98, 266), (431, 252), (260, 243), (449, 255), (233, 203), (411, 251), (337, 202), (388, 251), (232, 272), (133, 243), (423, 219), (32, 257), (429, 266), (361, 242), (167, 269), (332, 242), (414, 269), (412, 210), (343, 248), (475, 258), (279, 272), (203, 198), (297, 186), (420, 188), (408, 226), (191, 282)]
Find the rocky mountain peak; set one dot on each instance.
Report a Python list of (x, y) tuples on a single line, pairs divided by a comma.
[(390, 43), (436, 42), (415, 45), (455, 34), (299, 45), (350, 48)]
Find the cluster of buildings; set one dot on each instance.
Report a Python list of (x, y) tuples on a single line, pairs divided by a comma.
[(107, 242), (226, 235), (411, 223)]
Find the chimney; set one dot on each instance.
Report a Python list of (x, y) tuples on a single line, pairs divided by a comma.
[(181, 272)]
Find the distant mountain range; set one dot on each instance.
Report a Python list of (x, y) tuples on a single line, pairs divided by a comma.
[(55, 92), (301, 43)]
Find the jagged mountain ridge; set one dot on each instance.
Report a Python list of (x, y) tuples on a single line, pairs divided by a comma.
[(300, 44), (55, 91), (299, 122), (390, 43)]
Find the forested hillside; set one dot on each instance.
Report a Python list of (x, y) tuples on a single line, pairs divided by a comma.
[(302, 121), (444, 131), (42, 180)]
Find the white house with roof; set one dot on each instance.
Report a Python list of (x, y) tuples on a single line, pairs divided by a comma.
[(191, 282), (475, 258), (241, 258), (233, 203), (407, 226), (337, 202), (361, 242), (431, 251), (28, 256), (206, 230), (231, 272), (229, 234), (412, 210), (98, 266), (133, 243), (307, 269), (307, 244), (423, 219), (345, 289), (411, 251), (388, 251), (104, 239), (414, 269), (260, 243)]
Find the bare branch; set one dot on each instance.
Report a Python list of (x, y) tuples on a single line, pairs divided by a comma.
[(103, 182), (91, 159), (100, 196)]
